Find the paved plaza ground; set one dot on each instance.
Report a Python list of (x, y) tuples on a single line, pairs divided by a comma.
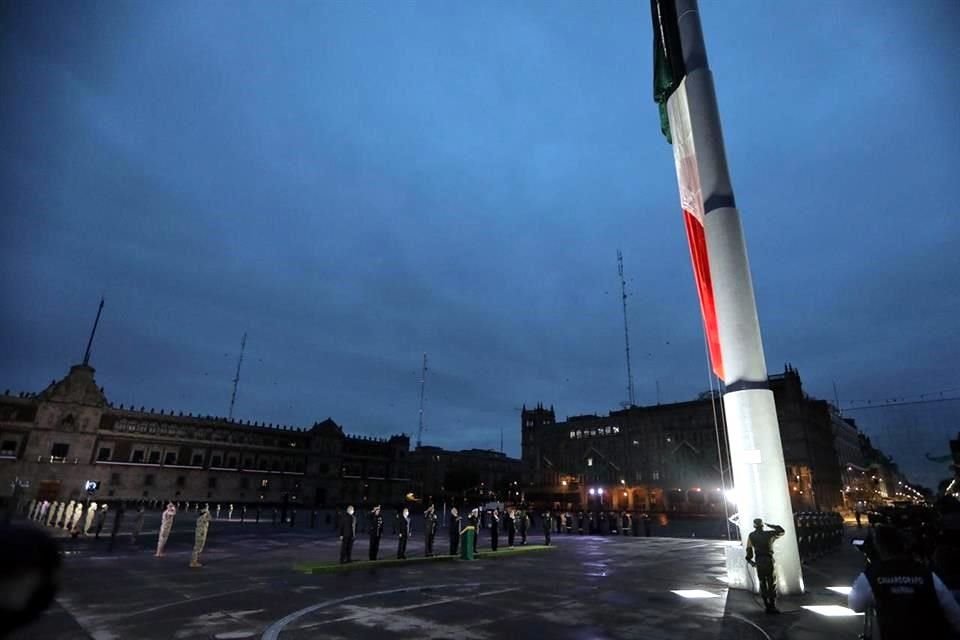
[(586, 587)]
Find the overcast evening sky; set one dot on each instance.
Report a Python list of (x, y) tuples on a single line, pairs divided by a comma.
[(357, 183)]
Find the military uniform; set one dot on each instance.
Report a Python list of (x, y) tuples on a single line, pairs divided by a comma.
[(494, 530), (430, 524), (511, 528), (404, 532), (760, 543), (348, 531), (547, 527), (166, 524), (454, 531), (524, 523), (200, 537), (376, 530)]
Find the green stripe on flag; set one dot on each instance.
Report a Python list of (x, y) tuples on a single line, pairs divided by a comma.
[(668, 67)]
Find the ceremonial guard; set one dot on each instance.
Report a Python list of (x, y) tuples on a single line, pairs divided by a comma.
[(166, 524), (376, 530), (137, 524), (524, 523), (404, 531), (454, 530), (547, 526), (348, 530), (200, 537), (494, 530), (430, 524), (511, 527)]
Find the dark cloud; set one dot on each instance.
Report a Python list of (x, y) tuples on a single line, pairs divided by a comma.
[(355, 185)]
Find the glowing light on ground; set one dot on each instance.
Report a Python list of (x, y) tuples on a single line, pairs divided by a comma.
[(841, 590), (694, 593), (831, 610)]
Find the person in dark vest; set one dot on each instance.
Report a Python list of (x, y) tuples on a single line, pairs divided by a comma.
[(404, 530), (760, 546), (511, 527), (348, 530), (547, 527), (376, 530), (430, 526), (494, 530), (454, 530), (905, 594)]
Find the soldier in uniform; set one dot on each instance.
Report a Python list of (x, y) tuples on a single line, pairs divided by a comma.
[(404, 531), (137, 524), (524, 523), (454, 530), (243, 513), (91, 514), (218, 511), (166, 524), (200, 536), (101, 519), (67, 515), (348, 530), (230, 512), (376, 530), (494, 530), (430, 525), (511, 527), (547, 526), (760, 543)]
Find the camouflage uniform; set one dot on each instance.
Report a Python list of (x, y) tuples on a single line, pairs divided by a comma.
[(166, 524), (200, 538)]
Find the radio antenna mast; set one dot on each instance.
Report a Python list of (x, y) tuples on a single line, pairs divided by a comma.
[(423, 383), (236, 378), (626, 329)]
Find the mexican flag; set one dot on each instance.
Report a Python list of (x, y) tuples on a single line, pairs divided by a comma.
[(670, 92)]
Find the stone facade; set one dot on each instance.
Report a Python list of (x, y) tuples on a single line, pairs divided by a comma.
[(670, 456), (68, 434)]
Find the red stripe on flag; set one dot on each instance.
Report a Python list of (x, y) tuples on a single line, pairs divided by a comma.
[(697, 239)]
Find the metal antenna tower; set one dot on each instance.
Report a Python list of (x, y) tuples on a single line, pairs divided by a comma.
[(236, 378), (423, 383), (626, 329)]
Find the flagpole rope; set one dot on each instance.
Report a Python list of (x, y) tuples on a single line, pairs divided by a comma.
[(716, 430)]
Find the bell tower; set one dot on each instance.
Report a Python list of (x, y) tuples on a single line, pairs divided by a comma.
[(532, 421)]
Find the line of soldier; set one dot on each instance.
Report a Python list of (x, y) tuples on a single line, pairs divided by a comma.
[(515, 522), (818, 532)]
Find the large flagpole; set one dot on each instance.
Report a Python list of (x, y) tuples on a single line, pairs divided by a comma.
[(756, 452)]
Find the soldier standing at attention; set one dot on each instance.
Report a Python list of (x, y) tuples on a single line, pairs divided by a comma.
[(511, 527), (430, 524), (494, 530), (524, 523), (101, 519), (547, 526), (760, 542), (404, 534), (348, 529), (166, 524), (137, 524), (376, 530), (200, 536), (454, 530)]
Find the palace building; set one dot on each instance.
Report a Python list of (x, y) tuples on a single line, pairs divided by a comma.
[(673, 457), (57, 440)]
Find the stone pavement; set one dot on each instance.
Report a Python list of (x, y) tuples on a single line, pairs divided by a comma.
[(588, 587)]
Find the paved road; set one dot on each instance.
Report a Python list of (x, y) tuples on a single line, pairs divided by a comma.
[(588, 587)]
